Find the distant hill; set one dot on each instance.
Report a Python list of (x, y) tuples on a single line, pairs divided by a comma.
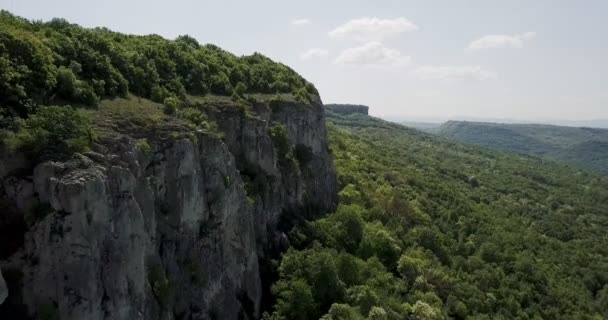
[(429, 228), (582, 147), (345, 109), (430, 127)]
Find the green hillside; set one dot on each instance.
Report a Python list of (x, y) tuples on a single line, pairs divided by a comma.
[(430, 127), (433, 229), (582, 147), (55, 62)]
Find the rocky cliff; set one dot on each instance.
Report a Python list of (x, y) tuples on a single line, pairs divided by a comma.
[(3, 289), (174, 231)]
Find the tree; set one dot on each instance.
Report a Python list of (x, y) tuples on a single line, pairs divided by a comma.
[(377, 313), (423, 311), (62, 129), (240, 89), (377, 241), (295, 300), (342, 312), (363, 297)]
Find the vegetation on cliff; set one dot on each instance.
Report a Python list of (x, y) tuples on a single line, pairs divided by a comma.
[(59, 63), (430, 229), (55, 61)]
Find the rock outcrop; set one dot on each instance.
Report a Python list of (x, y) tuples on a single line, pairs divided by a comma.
[(345, 109), (3, 289), (175, 233)]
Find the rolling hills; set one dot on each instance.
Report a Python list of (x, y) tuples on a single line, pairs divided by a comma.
[(582, 147), (428, 228)]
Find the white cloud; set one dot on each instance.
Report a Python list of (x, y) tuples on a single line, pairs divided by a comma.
[(454, 73), (373, 54), (501, 41), (314, 53), (300, 22), (370, 29)]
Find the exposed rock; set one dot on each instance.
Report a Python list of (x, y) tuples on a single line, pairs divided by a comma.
[(3, 289), (117, 234), (345, 109)]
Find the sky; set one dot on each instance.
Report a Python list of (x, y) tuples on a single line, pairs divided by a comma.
[(424, 60)]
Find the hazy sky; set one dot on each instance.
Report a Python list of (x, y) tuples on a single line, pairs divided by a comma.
[(518, 59)]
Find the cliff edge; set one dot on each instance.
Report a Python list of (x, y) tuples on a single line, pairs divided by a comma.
[(346, 109), (159, 220)]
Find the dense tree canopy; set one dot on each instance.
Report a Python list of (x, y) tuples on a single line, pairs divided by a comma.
[(429, 229), (55, 61)]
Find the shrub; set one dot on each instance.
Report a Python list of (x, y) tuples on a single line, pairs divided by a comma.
[(70, 88), (159, 94), (85, 94), (302, 95), (66, 82), (278, 133), (200, 121), (220, 84), (171, 105), (193, 116), (240, 89), (143, 146), (61, 128)]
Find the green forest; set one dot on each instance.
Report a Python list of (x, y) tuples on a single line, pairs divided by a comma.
[(582, 147), (55, 62), (431, 229), (426, 228)]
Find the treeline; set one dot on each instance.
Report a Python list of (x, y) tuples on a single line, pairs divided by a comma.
[(57, 62), (429, 229)]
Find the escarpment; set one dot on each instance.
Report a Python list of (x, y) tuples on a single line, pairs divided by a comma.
[(162, 221), (346, 109)]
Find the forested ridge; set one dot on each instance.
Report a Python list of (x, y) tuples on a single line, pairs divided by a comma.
[(57, 62), (431, 229), (582, 147)]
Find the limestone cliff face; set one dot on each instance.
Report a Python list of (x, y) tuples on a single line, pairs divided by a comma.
[(3, 289), (175, 233)]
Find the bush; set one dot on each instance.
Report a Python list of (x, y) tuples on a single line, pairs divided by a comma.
[(70, 88), (143, 146), (85, 94), (240, 89), (302, 95), (61, 128), (220, 84), (171, 105), (66, 82), (278, 133), (200, 121), (159, 94), (192, 115)]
